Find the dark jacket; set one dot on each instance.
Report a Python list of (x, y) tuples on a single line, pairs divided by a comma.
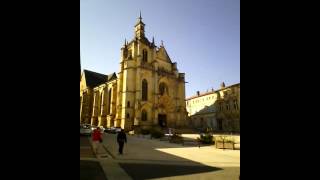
[(122, 137)]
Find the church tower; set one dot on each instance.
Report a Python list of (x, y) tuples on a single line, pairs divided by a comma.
[(151, 91)]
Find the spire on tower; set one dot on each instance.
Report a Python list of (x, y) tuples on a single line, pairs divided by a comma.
[(140, 19), (139, 28)]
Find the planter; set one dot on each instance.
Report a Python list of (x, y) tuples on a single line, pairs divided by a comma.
[(224, 145), (206, 139)]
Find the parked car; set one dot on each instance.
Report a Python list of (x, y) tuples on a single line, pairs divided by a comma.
[(113, 130), (85, 130)]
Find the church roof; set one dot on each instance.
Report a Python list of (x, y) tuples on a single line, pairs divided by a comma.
[(164, 52), (94, 79), (112, 76), (144, 40)]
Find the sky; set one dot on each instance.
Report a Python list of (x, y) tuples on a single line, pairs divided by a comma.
[(202, 36)]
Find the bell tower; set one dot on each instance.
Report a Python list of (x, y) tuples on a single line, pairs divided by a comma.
[(139, 28)]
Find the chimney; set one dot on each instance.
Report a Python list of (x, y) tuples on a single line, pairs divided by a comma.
[(198, 93)]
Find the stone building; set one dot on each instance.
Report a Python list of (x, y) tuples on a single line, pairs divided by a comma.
[(148, 91), (219, 110)]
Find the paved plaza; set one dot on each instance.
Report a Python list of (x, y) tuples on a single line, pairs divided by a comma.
[(146, 158)]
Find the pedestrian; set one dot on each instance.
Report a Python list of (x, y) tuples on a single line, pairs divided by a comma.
[(121, 139), (96, 140)]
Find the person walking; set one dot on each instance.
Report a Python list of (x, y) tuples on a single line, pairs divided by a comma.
[(96, 140), (121, 139)]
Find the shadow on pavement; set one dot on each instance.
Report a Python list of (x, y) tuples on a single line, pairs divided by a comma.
[(84, 141), (144, 159), (148, 171), (85, 148), (91, 170)]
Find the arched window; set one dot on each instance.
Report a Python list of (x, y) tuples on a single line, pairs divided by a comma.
[(144, 90), (125, 53), (144, 55), (235, 104), (130, 54), (163, 89), (144, 115)]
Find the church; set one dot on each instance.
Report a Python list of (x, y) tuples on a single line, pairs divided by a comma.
[(148, 91)]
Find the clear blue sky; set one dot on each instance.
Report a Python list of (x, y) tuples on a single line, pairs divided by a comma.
[(202, 36)]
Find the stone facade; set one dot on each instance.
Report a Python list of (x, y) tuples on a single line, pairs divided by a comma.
[(219, 110)]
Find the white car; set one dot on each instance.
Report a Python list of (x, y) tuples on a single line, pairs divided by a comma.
[(85, 130)]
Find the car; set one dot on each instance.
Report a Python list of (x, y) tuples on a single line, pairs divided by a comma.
[(85, 130), (113, 130), (109, 130)]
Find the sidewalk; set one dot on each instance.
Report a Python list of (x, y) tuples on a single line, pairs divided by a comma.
[(110, 167), (90, 167)]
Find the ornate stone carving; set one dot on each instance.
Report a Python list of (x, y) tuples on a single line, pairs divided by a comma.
[(166, 102)]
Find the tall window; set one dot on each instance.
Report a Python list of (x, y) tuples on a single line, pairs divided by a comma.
[(235, 103), (101, 103), (219, 122), (130, 54), (144, 90), (163, 89), (145, 55), (109, 102), (221, 106), (125, 53), (128, 104), (144, 115)]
